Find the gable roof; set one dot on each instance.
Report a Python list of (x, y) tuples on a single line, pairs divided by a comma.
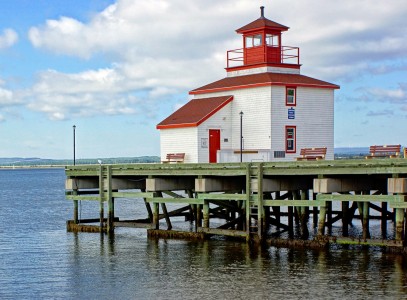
[(262, 79), (195, 112)]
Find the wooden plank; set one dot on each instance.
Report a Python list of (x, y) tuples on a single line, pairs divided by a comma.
[(83, 198), (371, 242), (133, 194), (297, 203), (363, 198), (398, 204), (132, 224), (345, 167), (175, 200), (225, 232), (222, 196)]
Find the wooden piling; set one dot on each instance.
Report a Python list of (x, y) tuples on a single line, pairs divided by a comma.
[(156, 218), (345, 218), (384, 220), (110, 206), (399, 223), (321, 220), (206, 214), (365, 225), (75, 208), (101, 197)]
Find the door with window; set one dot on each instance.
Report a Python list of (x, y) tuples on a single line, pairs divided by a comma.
[(214, 144)]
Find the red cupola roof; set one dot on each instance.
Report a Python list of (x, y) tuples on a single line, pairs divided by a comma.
[(262, 22)]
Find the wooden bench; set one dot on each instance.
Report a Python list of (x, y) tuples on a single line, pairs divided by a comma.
[(174, 157), (312, 153), (383, 151)]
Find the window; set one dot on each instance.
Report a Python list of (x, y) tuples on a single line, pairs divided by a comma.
[(290, 143), (290, 98), (253, 41), (272, 40)]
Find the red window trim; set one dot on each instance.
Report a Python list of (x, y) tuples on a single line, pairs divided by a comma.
[(295, 139), (295, 95)]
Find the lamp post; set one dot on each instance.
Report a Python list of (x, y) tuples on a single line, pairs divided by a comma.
[(241, 136), (74, 140)]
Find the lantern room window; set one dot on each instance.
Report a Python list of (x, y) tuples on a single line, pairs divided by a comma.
[(290, 139), (272, 40), (291, 99), (253, 41)]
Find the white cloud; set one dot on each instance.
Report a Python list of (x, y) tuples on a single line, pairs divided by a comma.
[(8, 38), (62, 96), (8, 98), (160, 48)]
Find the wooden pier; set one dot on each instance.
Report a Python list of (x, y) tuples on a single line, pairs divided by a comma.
[(254, 201)]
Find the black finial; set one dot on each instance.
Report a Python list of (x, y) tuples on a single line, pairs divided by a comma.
[(262, 12)]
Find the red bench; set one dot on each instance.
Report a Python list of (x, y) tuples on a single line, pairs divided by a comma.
[(391, 151), (312, 153), (174, 157)]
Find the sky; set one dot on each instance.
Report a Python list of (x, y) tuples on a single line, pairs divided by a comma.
[(115, 69)]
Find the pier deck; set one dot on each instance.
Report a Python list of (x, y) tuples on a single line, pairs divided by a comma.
[(250, 198)]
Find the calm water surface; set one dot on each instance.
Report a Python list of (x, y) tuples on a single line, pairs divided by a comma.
[(40, 260)]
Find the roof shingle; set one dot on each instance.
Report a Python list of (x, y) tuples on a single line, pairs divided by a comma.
[(195, 112), (262, 79)]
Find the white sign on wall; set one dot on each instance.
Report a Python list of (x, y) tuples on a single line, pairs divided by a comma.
[(204, 142)]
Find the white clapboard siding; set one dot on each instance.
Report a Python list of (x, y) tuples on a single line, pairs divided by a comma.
[(315, 114), (255, 103), (313, 120), (180, 140), (265, 117), (220, 120)]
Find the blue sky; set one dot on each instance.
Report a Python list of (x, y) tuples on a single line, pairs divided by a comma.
[(117, 68)]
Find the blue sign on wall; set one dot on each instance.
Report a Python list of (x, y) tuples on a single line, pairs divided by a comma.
[(291, 113)]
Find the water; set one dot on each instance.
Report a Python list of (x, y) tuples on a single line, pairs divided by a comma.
[(40, 260)]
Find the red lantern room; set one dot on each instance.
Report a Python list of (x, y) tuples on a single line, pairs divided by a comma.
[(262, 46)]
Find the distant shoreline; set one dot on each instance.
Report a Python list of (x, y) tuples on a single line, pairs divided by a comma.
[(33, 167)]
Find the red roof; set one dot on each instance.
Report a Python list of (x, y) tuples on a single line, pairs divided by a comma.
[(262, 23), (262, 79), (195, 112)]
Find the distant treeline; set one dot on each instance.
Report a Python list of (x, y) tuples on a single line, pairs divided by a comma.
[(18, 162), (350, 155)]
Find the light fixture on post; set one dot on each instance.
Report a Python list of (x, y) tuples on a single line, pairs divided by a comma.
[(241, 136)]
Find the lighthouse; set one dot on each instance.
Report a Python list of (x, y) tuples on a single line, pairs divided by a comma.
[(263, 110)]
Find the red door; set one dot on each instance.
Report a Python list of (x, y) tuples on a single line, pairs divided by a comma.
[(214, 144)]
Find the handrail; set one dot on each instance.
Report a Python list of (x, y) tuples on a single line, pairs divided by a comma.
[(289, 55)]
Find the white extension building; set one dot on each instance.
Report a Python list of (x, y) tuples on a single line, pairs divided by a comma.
[(264, 110)]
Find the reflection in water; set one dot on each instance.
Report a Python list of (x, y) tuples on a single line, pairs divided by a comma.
[(39, 259), (166, 269)]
